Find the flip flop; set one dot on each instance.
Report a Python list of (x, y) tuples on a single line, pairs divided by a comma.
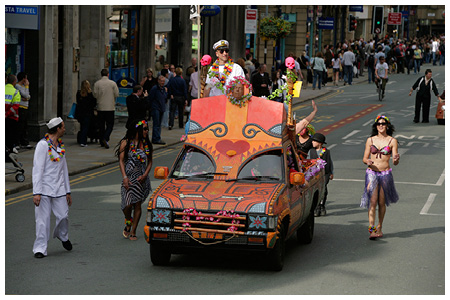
[(126, 232), (132, 237)]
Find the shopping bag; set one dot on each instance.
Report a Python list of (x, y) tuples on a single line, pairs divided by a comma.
[(72, 111)]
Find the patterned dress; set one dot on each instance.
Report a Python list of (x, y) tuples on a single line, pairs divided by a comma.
[(134, 168)]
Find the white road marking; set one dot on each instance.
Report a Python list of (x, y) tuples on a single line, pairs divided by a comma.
[(350, 134), (427, 206), (331, 146)]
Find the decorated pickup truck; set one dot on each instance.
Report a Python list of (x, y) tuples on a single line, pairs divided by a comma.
[(237, 183)]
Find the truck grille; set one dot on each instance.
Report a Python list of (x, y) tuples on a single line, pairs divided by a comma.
[(221, 223)]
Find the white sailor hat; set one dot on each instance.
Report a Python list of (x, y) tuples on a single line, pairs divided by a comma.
[(54, 122), (222, 44)]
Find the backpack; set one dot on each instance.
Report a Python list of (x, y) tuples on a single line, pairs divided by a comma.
[(371, 60)]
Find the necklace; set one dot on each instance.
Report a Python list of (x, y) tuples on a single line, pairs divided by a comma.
[(322, 151), (133, 150), (226, 71), (60, 145)]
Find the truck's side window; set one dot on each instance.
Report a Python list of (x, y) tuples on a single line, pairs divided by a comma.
[(267, 164), (192, 162), (291, 159)]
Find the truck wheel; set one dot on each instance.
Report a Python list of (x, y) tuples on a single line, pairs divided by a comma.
[(306, 232), (275, 256), (159, 255)]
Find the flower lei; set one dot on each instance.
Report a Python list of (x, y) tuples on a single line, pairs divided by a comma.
[(133, 150), (214, 73), (322, 151), (245, 98), (191, 212), (60, 145)]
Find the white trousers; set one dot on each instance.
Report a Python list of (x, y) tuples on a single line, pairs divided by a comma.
[(42, 214)]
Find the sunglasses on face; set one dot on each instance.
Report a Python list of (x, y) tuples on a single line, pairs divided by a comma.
[(222, 50), (145, 128), (381, 124)]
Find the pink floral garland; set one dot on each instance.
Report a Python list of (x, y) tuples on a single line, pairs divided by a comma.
[(191, 212)]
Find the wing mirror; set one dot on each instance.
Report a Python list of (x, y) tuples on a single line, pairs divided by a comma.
[(161, 172)]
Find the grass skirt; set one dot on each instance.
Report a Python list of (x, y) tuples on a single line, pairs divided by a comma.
[(374, 180)]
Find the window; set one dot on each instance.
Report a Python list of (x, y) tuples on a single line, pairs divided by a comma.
[(193, 162)]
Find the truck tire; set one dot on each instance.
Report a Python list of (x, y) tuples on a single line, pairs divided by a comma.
[(159, 255), (275, 257), (306, 232)]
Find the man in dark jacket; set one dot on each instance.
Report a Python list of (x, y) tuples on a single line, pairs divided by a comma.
[(318, 151), (261, 82), (178, 94), (158, 98), (424, 86)]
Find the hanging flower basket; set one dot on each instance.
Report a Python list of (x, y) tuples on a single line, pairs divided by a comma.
[(274, 28)]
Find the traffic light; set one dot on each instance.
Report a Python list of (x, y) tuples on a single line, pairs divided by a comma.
[(352, 23), (377, 18)]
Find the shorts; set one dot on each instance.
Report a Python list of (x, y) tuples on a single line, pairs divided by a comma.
[(374, 180)]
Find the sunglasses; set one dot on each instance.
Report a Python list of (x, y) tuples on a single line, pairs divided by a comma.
[(222, 50), (145, 128), (381, 124)]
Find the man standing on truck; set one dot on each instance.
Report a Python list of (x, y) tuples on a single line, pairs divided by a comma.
[(222, 71)]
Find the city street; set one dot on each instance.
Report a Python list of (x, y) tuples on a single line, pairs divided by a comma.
[(409, 259)]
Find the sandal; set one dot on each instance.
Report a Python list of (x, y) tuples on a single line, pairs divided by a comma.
[(379, 233), (127, 229), (132, 237), (373, 232)]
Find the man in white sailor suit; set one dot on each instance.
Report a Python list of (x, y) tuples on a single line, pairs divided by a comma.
[(222, 71), (51, 188)]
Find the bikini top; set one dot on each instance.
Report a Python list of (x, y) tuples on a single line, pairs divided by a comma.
[(384, 151)]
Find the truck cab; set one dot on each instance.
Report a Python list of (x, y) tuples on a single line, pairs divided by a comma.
[(237, 184)]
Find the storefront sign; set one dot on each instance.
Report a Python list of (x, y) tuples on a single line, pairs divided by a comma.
[(326, 23), (210, 10), (163, 20), (22, 16), (395, 19), (251, 20), (358, 8)]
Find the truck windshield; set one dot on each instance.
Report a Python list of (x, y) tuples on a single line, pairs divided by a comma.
[(193, 162), (268, 166)]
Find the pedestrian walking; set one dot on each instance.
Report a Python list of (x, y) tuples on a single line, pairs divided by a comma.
[(51, 188), (319, 151), (12, 103), (424, 86), (379, 189), (318, 65), (348, 59), (86, 104), (178, 97), (106, 92), (158, 98), (135, 154), (23, 87)]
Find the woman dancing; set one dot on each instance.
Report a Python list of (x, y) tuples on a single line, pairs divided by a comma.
[(135, 160), (379, 188)]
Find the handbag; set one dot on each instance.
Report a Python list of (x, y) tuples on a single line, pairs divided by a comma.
[(72, 114), (187, 109)]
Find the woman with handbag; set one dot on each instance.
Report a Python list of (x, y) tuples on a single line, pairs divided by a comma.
[(85, 110)]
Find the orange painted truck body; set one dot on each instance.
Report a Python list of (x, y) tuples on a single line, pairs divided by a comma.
[(237, 183)]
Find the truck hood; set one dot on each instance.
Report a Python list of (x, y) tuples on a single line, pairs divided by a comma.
[(216, 195)]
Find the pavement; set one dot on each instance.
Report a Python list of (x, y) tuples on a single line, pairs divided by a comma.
[(82, 159)]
